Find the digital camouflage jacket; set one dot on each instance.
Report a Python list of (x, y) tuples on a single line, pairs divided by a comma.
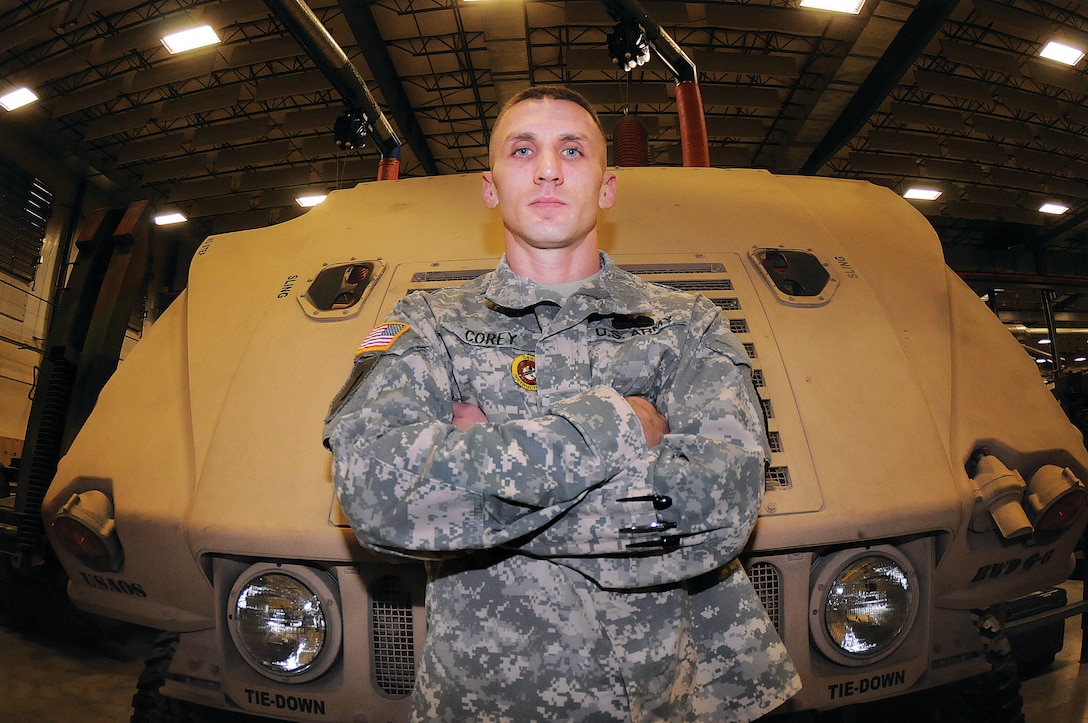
[(574, 572)]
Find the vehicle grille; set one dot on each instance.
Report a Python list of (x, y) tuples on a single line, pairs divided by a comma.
[(392, 641), (767, 582)]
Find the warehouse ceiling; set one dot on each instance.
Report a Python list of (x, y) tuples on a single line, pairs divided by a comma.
[(948, 95)]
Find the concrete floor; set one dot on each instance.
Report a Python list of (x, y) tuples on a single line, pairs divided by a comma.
[(59, 666)]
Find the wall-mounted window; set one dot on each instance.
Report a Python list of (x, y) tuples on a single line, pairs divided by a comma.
[(26, 204)]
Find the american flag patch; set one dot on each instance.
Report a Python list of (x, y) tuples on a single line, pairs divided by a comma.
[(382, 337)]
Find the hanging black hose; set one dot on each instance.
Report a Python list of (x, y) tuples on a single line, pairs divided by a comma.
[(36, 469)]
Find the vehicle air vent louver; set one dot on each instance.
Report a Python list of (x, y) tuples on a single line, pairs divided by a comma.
[(447, 276), (778, 478), (767, 582), (392, 636), (646, 269), (728, 304), (775, 440), (698, 284)]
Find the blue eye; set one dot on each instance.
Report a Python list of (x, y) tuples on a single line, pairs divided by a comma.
[(571, 152), (521, 152)]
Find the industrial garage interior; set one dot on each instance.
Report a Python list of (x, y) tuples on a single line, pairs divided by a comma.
[(974, 110)]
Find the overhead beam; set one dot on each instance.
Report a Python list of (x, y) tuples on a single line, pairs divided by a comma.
[(299, 20), (369, 38), (908, 43), (1049, 235)]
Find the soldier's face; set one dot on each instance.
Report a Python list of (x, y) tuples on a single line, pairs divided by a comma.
[(548, 174)]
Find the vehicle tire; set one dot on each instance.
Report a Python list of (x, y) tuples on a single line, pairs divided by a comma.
[(149, 705), (992, 697)]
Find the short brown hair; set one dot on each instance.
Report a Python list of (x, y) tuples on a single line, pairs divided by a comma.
[(550, 92)]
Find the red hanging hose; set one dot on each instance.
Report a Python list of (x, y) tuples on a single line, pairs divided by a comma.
[(630, 143), (388, 169), (693, 139)]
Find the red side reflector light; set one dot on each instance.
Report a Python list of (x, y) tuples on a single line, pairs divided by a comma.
[(1054, 498), (85, 527), (79, 539), (1062, 512)]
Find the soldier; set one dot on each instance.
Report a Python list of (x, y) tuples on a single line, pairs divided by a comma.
[(579, 456)]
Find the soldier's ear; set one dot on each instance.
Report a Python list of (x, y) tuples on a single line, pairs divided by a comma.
[(608, 190), (490, 193)]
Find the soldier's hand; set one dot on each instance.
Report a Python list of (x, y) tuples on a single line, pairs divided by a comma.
[(654, 424), (466, 415)]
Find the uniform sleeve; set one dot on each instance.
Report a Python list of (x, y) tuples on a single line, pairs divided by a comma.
[(688, 505), (411, 483)]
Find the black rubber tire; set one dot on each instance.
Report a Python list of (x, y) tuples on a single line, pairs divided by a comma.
[(994, 697), (149, 705)]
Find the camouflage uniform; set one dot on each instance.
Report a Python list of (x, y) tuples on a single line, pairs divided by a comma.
[(575, 573)]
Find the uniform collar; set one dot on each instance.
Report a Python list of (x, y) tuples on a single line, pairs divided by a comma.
[(614, 291)]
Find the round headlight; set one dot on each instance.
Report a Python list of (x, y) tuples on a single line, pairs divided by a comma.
[(863, 603), (285, 621)]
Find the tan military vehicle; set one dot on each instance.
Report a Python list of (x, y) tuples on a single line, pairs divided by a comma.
[(921, 472)]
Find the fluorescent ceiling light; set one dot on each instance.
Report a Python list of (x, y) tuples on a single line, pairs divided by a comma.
[(1056, 209), (311, 199), (17, 98), (165, 219), (189, 39), (1043, 332), (840, 6), (1062, 53), (922, 194), (1080, 359), (1044, 341)]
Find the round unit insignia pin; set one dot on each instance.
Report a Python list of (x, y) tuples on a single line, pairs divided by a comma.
[(524, 370)]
